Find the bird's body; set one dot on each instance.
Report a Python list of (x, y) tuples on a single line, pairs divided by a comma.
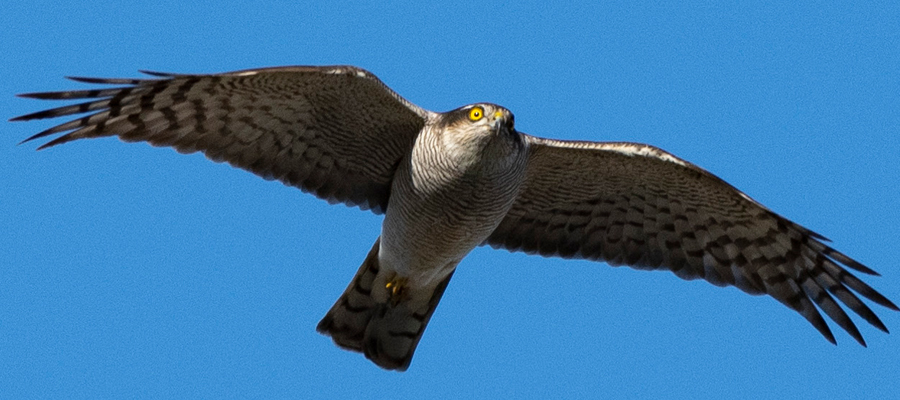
[(448, 182), (424, 235)]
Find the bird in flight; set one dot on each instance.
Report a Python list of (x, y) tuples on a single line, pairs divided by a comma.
[(449, 182)]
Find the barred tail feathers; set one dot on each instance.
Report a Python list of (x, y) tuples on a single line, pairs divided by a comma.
[(386, 333)]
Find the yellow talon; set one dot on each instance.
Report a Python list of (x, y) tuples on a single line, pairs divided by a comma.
[(397, 288)]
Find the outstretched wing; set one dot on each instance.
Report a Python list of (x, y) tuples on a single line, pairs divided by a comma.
[(337, 132), (636, 205)]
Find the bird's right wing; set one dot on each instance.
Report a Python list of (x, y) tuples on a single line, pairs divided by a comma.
[(636, 205), (337, 132)]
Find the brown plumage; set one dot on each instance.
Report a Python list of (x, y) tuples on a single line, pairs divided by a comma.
[(448, 182)]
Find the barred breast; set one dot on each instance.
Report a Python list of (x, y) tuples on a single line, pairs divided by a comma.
[(447, 197)]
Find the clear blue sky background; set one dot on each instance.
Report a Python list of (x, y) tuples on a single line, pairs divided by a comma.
[(133, 271)]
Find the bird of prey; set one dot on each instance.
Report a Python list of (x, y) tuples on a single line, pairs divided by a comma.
[(449, 182)]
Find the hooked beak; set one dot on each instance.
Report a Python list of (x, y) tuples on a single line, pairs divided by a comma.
[(502, 118)]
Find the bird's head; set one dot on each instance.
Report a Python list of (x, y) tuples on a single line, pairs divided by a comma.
[(492, 117), (481, 131), (481, 120)]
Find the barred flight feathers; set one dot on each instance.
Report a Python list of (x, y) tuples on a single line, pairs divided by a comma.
[(636, 205), (337, 132)]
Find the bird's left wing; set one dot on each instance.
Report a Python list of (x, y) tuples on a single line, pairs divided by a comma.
[(337, 132), (636, 205)]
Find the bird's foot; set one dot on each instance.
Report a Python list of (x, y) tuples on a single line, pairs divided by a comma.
[(397, 289)]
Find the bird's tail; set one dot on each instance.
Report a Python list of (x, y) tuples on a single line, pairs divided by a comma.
[(387, 332)]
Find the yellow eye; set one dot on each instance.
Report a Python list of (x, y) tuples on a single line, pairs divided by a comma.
[(476, 113)]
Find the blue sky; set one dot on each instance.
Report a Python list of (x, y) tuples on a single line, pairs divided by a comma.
[(133, 271)]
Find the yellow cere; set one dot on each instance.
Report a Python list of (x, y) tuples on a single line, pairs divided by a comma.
[(476, 113)]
